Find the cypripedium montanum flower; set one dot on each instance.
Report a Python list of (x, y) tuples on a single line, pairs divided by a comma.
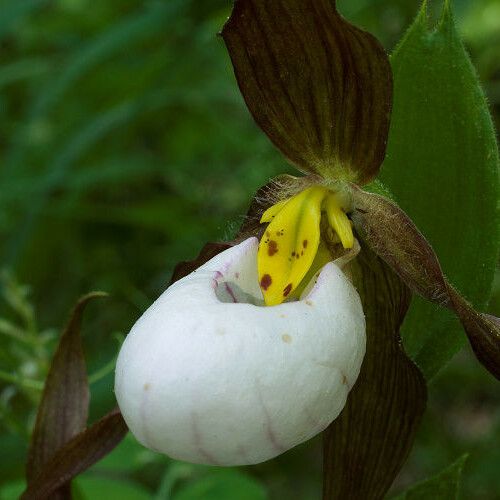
[(209, 373)]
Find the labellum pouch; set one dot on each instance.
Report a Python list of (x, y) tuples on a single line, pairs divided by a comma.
[(396, 239), (209, 375), (319, 87)]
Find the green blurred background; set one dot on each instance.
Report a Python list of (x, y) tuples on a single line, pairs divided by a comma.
[(125, 145)]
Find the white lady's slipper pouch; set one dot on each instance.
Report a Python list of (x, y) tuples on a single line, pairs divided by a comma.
[(210, 375)]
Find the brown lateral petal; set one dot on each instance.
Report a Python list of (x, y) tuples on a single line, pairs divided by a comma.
[(77, 455), (64, 405), (283, 185), (483, 331), (393, 236), (319, 87), (186, 267), (365, 448)]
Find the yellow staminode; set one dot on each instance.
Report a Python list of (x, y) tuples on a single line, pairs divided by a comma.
[(290, 242)]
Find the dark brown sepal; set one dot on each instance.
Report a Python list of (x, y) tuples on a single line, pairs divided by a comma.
[(63, 409), (76, 456), (320, 88), (366, 446), (395, 238)]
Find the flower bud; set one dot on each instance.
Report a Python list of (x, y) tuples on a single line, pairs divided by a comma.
[(210, 375)]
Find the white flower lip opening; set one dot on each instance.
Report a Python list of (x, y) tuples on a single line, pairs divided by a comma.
[(208, 375)]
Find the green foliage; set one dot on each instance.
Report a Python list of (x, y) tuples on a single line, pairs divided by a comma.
[(222, 485), (442, 167), (442, 486), (88, 488), (25, 355)]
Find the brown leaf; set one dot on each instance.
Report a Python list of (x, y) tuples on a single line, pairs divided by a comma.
[(365, 447), (319, 87), (64, 405), (77, 455), (395, 238)]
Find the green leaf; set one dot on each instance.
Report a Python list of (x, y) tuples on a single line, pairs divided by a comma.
[(366, 446), (90, 488), (442, 486), (319, 87), (127, 457), (12, 490), (12, 12), (63, 409), (223, 485), (442, 167)]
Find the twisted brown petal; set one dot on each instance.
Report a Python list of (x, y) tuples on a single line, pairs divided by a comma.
[(320, 88), (77, 455), (64, 405), (396, 239)]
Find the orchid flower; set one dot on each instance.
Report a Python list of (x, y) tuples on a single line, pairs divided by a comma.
[(256, 350)]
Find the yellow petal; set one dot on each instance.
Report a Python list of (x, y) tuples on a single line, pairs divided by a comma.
[(289, 245), (272, 211), (339, 221)]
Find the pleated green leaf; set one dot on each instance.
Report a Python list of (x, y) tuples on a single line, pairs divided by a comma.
[(442, 168)]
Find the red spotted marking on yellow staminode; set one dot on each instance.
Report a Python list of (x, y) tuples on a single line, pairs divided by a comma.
[(287, 290), (265, 282), (304, 243), (272, 248)]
